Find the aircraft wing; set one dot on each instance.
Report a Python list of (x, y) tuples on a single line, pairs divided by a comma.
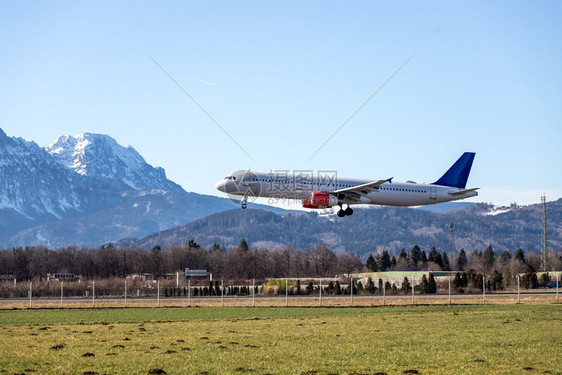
[(362, 190)]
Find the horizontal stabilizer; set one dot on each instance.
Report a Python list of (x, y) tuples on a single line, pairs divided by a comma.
[(461, 192)]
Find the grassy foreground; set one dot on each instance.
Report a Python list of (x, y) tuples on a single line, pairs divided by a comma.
[(427, 339)]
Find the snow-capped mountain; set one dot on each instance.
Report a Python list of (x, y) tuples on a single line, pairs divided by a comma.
[(99, 155), (35, 188), (32, 183), (87, 190)]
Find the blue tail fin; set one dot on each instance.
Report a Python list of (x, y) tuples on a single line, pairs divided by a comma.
[(457, 175)]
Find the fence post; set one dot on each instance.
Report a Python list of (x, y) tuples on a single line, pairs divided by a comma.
[(253, 292), (189, 293), (351, 300), (158, 294), (61, 292), (222, 292), (30, 294), (449, 291), (483, 289), (320, 289), (286, 292), (93, 293), (125, 293), (518, 289), (384, 293), (557, 288), (413, 289)]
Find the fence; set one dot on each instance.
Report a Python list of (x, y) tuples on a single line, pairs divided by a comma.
[(281, 293)]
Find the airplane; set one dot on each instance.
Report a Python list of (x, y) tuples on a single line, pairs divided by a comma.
[(327, 191)]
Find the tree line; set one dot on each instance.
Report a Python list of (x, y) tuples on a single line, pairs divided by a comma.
[(245, 263)]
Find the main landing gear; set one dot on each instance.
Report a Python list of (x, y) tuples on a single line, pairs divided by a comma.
[(245, 202), (345, 212)]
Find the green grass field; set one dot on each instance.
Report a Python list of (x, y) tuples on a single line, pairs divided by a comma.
[(203, 340)]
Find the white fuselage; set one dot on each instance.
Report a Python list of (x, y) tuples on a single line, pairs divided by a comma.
[(290, 187)]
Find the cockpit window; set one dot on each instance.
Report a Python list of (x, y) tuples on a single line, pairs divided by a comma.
[(230, 178)]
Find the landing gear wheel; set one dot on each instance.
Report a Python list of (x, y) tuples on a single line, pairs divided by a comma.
[(244, 205), (341, 213), (348, 211)]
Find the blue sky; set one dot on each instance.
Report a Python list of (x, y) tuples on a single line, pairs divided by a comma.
[(281, 77)]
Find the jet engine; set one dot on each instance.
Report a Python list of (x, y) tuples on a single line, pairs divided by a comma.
[(321, 200)]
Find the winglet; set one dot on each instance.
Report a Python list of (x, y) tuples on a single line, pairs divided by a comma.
[(457, 175), (390, 180)]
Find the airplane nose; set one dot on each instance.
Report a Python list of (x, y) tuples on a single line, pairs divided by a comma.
[(220, 186)]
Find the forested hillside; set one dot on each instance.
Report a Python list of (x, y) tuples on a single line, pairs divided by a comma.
[(393, 228)]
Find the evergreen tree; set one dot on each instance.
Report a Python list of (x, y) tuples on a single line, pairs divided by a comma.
[(387, 287), (446, 264), (403, 255), (386, 262), (405, 288), (544, 280), (338, 288), (439, 261), (193, 244), (457, 281), (353, 287), (380, 286), (505, 257), (378, 261), (423, 260), (431, 284), (298, 291), (371, 265), (415, 255), (309, 288), (432, 256), (464, 279), (370, 286), (243, 246), (489, 257), (157, 262), (496, 281), (520, 255), (393, 261), (462, 261), (530, 279), (423, 285), (330, 288)]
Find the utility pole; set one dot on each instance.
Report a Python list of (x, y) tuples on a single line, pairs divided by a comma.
[(544, 260)]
